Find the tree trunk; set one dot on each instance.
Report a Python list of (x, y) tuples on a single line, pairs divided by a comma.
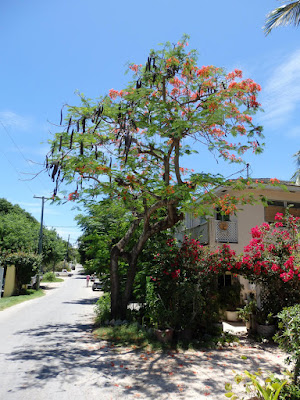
[(120, 301), (116, 309)]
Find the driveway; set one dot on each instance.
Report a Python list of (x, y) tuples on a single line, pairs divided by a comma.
[(47, 351)]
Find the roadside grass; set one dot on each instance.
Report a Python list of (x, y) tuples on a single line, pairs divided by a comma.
[(133, 335), (30, 294)]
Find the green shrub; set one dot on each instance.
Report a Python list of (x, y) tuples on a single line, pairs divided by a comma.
[(288, 337), (290, 392), (102, 309), (50, 277)]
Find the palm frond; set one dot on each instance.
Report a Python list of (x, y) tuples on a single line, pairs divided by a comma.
[(284, 15), (296, 176)]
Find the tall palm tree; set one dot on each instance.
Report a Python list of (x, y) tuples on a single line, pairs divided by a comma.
[(284, 15), (296, 175)]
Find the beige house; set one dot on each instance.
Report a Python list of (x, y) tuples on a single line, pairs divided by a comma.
[(235, 230)]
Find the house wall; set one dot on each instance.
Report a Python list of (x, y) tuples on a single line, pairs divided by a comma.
[(247, 218)]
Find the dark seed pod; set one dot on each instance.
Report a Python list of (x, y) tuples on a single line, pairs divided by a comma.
[(83, 125), (77, 126), (96, 126), (60, 143), (61, 117), (96, 153), (47, 162), (71, 139), (69, 124), (55, 168), (81, 148)]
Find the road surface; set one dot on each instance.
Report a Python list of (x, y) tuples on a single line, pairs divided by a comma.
[(44, 343), (47, 352)]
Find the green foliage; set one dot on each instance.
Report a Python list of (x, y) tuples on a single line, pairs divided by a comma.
[(54, 248), (129, 146), (230, 296), (290, 392), (268, 388), (249, 309), (50, 277), (272, 260), (27, 265), (181, 293), (102, 309), (288, 337), (19, 231)]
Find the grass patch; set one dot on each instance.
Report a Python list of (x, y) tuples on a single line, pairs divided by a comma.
[(123, 335), (133, 335), (30, 294)]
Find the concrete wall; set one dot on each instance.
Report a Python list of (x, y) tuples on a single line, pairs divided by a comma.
[(10, 281)]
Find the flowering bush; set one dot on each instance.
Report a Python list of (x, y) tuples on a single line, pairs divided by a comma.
[(272, 260), (183, 290)]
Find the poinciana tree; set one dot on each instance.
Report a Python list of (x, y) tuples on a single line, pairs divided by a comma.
[(130, 145)]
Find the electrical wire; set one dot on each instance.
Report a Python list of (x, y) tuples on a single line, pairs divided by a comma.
[(21, 153)]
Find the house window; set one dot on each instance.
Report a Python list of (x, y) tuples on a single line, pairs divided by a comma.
[(221, 217), (224, 280)]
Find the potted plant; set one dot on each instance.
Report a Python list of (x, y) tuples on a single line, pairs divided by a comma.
[(247, 312), (230, 300), (265, 323)]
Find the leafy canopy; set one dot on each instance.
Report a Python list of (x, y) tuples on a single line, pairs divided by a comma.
[(128, 145)]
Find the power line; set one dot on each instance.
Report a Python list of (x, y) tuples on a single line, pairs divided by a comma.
[(17, 172), (22, 155)]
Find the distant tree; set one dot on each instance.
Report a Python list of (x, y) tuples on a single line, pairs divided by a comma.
[(286, 14), (54, 248), (19, 232), (130, 145)]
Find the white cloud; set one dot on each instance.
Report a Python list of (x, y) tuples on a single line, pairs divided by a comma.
[(281, 94), (12, 120), (64, 232)]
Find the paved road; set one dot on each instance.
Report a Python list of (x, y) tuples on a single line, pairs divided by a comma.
[(47, 352), (44, 342)]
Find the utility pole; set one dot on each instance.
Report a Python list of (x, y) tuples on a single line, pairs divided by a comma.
[(40, 248)]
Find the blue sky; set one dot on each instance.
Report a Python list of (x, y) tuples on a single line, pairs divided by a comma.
[(51, 49)]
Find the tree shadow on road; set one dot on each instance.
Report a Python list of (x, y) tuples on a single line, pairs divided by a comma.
[(69, 354)]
